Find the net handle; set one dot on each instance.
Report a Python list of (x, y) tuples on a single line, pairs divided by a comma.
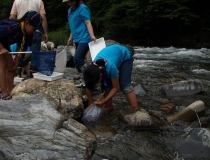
[(20, 52)]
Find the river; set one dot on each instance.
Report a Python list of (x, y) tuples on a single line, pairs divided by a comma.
[(153, 68)]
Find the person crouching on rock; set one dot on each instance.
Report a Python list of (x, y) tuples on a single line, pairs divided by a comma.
[(18, 31), (112, 67)]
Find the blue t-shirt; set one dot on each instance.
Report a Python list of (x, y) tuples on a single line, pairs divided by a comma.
[(77, 24), (115, 56), (13, 48)]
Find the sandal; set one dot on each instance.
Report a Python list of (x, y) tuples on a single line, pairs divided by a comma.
[(7, 96)]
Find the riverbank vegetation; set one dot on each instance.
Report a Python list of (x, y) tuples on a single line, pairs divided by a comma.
[(183, 23)]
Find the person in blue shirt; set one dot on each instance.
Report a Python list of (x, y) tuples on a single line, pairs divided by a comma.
[(112, 67), (18, 31), (14, 48), (81, 31)]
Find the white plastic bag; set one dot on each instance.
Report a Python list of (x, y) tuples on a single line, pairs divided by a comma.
[(92, 113), (60, 62)]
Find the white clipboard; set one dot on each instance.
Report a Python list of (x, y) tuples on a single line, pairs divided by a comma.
[(96, 47)]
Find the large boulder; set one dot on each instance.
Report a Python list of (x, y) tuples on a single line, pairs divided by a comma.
[(63, 92), (196, 145), (32, 128)]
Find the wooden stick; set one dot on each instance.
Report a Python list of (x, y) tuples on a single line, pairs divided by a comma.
[(198, 118), (100, 98), (20, 52)]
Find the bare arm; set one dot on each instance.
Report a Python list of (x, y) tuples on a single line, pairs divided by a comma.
[(70, 40), (89, 96), (90, 29), (12, 16), (115, 88), (44, 25)]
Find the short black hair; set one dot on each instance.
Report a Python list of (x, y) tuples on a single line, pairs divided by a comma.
[(91, 76)]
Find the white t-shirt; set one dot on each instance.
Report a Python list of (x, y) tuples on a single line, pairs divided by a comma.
[(20, 7)]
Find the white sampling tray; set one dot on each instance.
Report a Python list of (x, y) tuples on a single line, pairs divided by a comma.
[(96, 47), (54, 76), (17, 80)]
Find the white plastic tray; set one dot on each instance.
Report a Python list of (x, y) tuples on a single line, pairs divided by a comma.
[(54, 76), (96, 47), (17, 80)]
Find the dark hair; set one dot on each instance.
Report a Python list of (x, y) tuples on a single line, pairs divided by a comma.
[(92, 73), (77, 3), (100, 63), (25, 18), (91, 76)]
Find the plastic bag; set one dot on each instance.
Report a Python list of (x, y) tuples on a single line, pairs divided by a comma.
[(61, 60), (92, 113), (45, 62)]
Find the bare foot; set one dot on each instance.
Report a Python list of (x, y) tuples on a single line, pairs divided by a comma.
[(108, 108)]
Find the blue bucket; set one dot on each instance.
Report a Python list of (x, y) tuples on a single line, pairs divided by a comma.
[(45, 62)]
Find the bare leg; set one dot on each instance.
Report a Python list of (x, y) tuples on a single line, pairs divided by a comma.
[(132, 99), (10, 75), (3, 74), (27, 68), (109, 105)]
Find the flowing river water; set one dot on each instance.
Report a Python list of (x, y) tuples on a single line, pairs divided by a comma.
[(153, 68)]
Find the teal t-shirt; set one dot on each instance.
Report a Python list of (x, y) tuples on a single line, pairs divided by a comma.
[(115, 56), (77, 24)]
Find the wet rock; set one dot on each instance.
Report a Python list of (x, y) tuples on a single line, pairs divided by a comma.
[(188, 114), (140, 119), (201, 122), (63, 92), (105, 131), (196, 145), (110, 42), (167, 108), (32, 128), (182, 88), (139, 91)]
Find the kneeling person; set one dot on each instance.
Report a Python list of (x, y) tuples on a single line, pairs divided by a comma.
[(112, 67)]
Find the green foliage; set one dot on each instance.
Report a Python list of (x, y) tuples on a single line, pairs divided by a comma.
[(56, 13), (6, 6), (142, 22), (60, 36)]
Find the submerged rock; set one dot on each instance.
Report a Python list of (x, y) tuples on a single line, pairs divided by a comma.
[(139, 91), (196, 145), (140, 119), (182, 88)]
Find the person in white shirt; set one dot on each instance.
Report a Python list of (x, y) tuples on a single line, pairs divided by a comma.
[(19, 8)]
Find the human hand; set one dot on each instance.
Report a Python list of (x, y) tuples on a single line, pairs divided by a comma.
[(99, 103), (93, 38), (12, 69), (45, 37), (69, 42), (4, 51)]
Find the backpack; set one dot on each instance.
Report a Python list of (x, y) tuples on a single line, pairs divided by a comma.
[(7, 27)]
